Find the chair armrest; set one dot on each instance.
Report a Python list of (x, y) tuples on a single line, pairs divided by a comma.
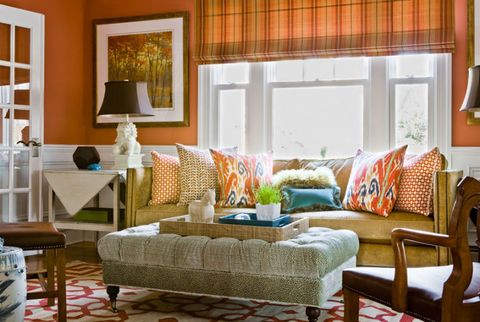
[(421, 237), (139, 191), (400, 281), (444, 191)]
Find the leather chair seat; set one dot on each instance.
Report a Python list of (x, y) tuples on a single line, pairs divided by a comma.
[(32, 235), (425, 287)]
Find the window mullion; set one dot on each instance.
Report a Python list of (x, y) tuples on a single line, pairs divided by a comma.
[(256, 120), (377, 112)]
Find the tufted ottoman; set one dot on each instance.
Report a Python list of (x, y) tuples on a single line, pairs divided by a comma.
[(305, 270)]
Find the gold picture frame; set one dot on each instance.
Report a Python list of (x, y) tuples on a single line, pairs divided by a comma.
[(152, 49), (471, 53)]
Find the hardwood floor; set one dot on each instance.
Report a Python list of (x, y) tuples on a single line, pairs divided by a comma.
[(83, 251)]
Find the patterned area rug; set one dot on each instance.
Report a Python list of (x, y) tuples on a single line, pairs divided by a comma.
[(88, 301)]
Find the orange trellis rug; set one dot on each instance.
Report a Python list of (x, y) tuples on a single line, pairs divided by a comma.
[(87, 301)]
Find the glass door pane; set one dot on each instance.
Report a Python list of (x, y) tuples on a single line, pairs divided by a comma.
[(21, 127), (4, 85), (22, 86), (5, 44), (22, 45), (4, 127), (21, 169), (4, 169), (20, 206), (4, 207)]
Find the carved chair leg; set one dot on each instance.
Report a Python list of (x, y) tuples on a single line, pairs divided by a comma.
[(112, 292), (61, 286), (50, 254), (351, 306), (313, 313)]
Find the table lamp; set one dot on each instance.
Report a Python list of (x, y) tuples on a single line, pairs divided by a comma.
[(471, 102), (126, 98)]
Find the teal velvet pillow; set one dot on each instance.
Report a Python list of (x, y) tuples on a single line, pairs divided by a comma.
[(310, 199)]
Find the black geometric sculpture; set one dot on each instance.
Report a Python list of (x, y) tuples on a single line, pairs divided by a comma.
[(85, 155)]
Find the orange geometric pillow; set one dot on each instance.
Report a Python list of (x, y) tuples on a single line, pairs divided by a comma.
[(165, 179), (240, 175), (415, 192), (373, 183)]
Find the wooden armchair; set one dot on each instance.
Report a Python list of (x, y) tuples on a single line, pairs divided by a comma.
[(445, 293)]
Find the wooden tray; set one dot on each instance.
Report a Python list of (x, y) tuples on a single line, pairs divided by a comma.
[(182, 225)]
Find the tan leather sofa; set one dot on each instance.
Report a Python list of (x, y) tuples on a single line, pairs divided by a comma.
[(372, 230)]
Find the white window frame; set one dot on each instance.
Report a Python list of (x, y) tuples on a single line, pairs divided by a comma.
[(379, 105)]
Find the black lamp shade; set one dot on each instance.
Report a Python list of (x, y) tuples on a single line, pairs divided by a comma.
[(471, 102), (126, 98)]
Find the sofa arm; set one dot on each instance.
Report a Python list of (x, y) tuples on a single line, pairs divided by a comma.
[(139, 191), (444, 191)]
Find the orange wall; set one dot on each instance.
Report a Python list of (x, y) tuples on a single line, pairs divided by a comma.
[(462, 134), (69, 71), (124, 8), (64, 68)]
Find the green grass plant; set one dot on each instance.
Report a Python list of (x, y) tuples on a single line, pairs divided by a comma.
[(267, 194)]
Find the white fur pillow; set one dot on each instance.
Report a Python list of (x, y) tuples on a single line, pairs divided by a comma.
[(321, 177)]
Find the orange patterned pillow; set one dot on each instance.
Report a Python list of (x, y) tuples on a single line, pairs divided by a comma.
[(240, 175), (165, 179), (415, 192), (374, 180)]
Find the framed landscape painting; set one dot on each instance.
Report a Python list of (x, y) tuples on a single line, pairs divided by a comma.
[(151, 49)]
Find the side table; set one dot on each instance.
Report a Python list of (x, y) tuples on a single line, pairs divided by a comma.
[(75, 188)]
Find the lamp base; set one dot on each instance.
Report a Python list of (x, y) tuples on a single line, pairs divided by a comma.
[(127, 161)]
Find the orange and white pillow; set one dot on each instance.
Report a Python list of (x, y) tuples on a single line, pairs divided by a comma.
[(415, 192), (374, 180), (240, 175), (165, 179)]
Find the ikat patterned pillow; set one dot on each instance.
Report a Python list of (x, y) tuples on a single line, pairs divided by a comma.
[(240, 175), (165, 179), (373, 183), (415, 192), (197, 173)]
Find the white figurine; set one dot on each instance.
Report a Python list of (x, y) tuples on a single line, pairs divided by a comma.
[(203, 210), (126, 141)]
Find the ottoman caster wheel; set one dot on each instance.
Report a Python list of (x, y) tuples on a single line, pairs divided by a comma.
[(112, 292), (313, 313)]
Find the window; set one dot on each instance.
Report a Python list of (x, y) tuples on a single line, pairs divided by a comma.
[(326, 108)]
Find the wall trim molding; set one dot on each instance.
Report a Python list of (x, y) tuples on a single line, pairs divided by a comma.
[(466, 158), (60, 155)]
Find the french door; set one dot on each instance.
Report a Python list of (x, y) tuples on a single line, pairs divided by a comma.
[(21, 114)]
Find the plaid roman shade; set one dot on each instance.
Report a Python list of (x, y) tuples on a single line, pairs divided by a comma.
[(262, 30)]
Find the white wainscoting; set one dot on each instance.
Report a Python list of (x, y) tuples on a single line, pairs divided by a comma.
[(60, 157), (468, 160), (57, 156)]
